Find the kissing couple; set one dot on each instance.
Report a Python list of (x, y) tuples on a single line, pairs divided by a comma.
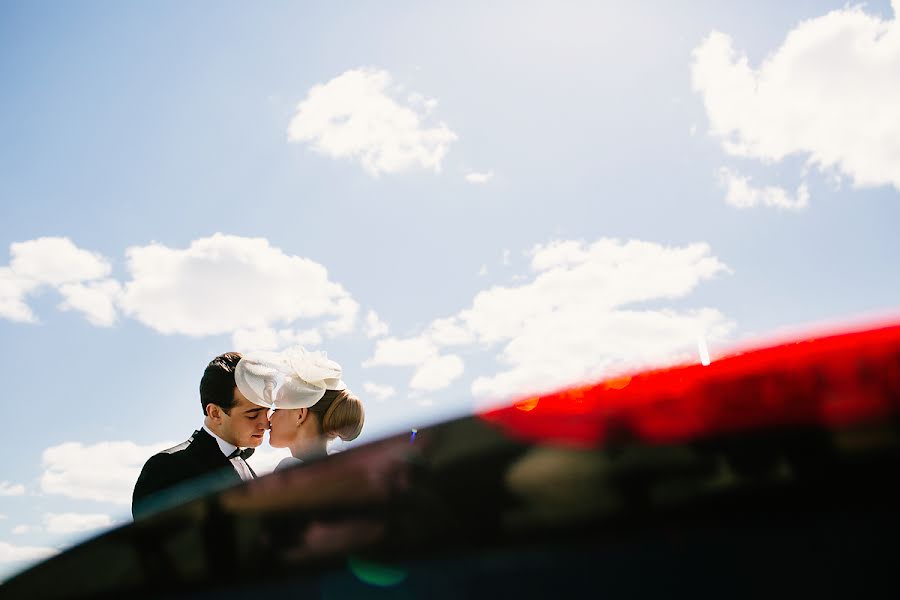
[(297, 394)]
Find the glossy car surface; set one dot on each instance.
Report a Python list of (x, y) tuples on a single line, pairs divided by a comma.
[(769, 472)]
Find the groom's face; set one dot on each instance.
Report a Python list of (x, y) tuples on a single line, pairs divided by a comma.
[(246, 424)]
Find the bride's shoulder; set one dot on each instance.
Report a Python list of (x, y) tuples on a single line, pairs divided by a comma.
[(288, 462)]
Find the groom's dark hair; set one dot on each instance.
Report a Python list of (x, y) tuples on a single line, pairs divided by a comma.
[(217, 385)]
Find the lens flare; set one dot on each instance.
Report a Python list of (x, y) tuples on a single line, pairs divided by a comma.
[(374, 573)]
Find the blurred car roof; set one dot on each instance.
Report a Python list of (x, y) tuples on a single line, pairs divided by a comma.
[(767, 471)]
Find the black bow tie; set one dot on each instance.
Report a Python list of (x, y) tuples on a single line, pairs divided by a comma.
[(245, 453)]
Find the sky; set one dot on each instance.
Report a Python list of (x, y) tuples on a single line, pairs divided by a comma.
[(462, 203)]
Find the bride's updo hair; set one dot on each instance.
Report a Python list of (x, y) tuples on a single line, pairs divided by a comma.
[(340, 414)]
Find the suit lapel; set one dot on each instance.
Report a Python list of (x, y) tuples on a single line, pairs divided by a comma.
[(210, 454)]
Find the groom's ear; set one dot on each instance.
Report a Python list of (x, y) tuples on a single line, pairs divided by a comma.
[(214, 412)]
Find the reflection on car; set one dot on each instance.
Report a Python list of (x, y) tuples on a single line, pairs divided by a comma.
[(767, 472)]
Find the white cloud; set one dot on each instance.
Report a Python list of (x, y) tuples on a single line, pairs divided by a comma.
[(609, 274), (437, 373), (741, 193), (13, 290), (396, 352), (427, 105), (105, 471), (829, 92), (475, 177), (570, 323), (346, 308), (11, 489), (225, 284), (482, 271), (585, 346), (21, 529), (220, 284), (560, 253), (575, 319), (13, 553), (375, 327), (267, 338), (449, 332), (379, 392), (96, 300), (59, 523), (56, 262), (358, 115)]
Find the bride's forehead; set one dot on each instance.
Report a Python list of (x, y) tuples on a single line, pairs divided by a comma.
[(280, 413)]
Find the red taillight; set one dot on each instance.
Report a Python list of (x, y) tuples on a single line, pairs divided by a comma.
[(830, 381)]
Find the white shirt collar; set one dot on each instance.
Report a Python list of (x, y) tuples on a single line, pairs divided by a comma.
[(226, 447)]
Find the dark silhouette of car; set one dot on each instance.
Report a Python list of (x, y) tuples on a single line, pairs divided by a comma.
[(767, 473)]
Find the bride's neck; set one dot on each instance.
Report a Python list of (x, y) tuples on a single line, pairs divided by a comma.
[(307, 449)]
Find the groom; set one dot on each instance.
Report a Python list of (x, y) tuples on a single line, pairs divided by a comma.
[(231, 423)]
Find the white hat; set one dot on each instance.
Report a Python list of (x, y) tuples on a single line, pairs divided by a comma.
[(292, 378)]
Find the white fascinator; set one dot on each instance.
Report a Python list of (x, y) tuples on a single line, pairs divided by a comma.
[(292, 378)]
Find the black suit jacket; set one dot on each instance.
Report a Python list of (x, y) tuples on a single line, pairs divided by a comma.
[(164, 479)]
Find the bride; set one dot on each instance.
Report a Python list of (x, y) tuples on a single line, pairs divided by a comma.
[(306, 431), (310, 404)]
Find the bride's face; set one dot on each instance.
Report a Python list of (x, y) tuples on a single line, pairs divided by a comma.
[(285, 423)]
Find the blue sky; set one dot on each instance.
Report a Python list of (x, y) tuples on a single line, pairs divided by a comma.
[(458, 202)]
